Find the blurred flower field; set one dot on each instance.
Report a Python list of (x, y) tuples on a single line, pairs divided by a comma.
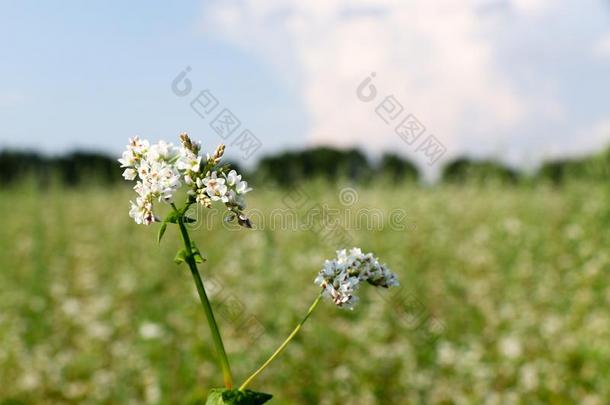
[(504, 299)]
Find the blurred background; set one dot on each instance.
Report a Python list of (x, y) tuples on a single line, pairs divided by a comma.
[(465, 142)]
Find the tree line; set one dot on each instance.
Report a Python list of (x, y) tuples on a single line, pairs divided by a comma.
[(286, 168)]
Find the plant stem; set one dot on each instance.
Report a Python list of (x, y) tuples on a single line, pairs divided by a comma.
[(205, 303), (283, 345)]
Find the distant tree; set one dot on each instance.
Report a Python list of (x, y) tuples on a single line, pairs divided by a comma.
[(281, 169), (79, 167), (594, 167), (71, 169), (15, 165), (288, 167), (323, 162), (397, 168), (555, 171), (599, 166), (478, 171)]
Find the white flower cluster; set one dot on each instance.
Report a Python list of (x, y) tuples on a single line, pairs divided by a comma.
[(341, 277), (161, 169), (157, 177)]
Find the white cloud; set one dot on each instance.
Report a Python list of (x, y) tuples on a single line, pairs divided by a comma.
[(430, 55), (478, 81)]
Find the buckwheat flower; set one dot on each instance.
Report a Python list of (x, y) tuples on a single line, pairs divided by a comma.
[(188, 161), (141, 211), (340, 278), (137, 145), (338, 285), (128, 159), (159, 179), (161, 169), (234, 180), (157, 176), (149, 330), (200, 193), (140, 189), (129, 174), (215, 187), (161, 151), (136, 149)]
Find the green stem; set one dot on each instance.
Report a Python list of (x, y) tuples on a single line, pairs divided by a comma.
[(205, 303), (283, 345)]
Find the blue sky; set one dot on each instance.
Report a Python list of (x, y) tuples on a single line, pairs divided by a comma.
[(516, 79), (90, 76)]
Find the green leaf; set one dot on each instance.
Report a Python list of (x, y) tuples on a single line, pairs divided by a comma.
[(220, 396), (161, 232), (180, 256), (196, 253), (198, 258)]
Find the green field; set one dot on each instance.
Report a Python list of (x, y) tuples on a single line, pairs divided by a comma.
[(504, 299)]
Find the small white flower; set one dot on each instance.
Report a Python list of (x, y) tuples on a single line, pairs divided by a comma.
[(242, 187), (529, 377), (510, 347), (128, 159), (234, 180), (138, 146), (141, 212), (129, 174), (215, 187), (161, 151), (188, 161), (149, 330), (140, 189)]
